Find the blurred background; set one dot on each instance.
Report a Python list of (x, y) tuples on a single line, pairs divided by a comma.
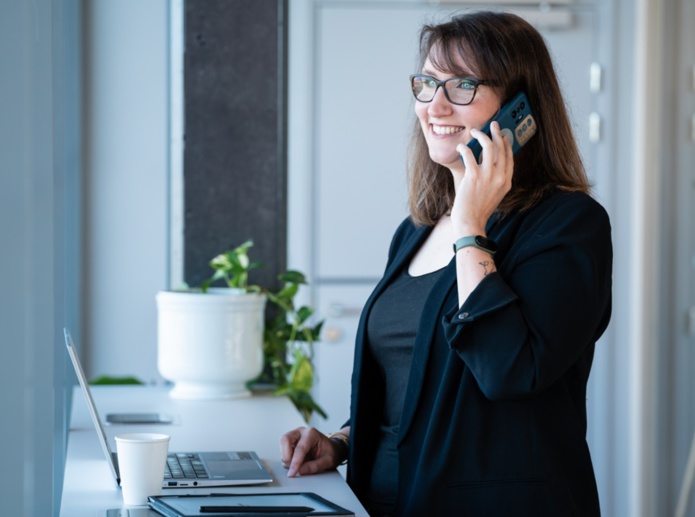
[(140, 139)]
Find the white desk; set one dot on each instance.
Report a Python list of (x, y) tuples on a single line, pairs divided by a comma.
[(254, 423)]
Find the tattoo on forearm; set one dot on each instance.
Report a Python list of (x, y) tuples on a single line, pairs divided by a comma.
[(486, 264)]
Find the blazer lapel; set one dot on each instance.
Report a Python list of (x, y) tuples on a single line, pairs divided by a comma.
[(423, 346), (404, 254)]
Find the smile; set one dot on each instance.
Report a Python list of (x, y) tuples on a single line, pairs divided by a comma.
[(446, 130)]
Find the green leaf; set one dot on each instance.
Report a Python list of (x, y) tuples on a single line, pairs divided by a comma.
[(288, 292), (304, 313), (221, 262), (305, 404), (244, 247), (316, 331), (302, 373), (219, 274), (294, 277)]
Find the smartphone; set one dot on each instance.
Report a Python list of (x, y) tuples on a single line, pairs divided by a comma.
[(516, 122), (132, 512), (138, 418)]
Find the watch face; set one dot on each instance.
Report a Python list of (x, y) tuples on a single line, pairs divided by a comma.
[(486, 243)]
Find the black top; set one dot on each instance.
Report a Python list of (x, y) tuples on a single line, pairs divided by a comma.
[(391, 328)]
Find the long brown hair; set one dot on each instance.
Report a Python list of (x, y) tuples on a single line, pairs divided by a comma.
[(511, 55)]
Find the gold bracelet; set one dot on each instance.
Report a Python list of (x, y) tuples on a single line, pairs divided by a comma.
[(342, 438)]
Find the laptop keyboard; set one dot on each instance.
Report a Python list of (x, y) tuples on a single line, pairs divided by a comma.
[(184, 466)]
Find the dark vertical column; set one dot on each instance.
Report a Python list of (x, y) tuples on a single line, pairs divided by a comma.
[(235, 125)]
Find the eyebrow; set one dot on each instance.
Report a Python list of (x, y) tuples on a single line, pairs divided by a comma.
[(426, 71), (433, 73)]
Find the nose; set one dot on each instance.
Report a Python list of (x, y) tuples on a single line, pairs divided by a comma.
[(440, 104)]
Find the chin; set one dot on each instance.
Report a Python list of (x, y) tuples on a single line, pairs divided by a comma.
[(447, 160)]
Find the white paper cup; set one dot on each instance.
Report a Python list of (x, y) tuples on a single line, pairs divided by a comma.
[(141, 461)]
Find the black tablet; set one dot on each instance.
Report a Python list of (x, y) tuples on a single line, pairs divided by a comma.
[(293, 504)]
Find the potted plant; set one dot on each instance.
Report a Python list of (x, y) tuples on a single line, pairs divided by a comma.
[(210, 339), (281, 356)]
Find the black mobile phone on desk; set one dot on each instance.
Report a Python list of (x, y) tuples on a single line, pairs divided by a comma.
[(516, 121)]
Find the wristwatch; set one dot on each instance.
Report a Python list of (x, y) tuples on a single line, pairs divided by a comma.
[(344, 440), (477, 241)]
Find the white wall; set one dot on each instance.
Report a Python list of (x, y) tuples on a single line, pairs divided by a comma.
[(126, 183)]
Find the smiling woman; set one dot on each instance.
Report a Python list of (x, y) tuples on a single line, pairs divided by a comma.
[(471, 364)]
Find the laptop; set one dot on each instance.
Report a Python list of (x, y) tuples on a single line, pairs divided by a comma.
[(184, 469)]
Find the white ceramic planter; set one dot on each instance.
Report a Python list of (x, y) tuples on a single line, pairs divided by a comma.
[(210, 345)]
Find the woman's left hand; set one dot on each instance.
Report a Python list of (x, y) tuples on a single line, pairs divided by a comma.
[(484, 184), (305, 450)]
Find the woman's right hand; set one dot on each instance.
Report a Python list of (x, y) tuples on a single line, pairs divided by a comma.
[(484, 184), (306, 450)]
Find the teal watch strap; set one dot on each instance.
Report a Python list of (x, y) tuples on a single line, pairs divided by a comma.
[(477, 241)]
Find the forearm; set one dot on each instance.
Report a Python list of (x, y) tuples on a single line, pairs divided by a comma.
[(472, 265)]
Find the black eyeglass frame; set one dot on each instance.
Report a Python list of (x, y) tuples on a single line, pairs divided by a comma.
[(474, 82)]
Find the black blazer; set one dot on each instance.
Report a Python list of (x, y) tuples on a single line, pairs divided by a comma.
[(494, 420)]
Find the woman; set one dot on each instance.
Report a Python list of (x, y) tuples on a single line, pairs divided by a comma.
[(470, 373)]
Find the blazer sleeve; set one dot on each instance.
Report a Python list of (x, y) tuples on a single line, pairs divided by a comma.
[(525, 325)]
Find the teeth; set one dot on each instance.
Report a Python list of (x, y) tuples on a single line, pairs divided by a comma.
[(445, 130)]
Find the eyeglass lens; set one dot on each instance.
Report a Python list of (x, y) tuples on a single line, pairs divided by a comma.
[(458, 90)]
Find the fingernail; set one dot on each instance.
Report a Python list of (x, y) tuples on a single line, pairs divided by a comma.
[(460, 148)]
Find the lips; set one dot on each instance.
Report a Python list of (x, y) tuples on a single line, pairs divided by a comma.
[(446, 130)]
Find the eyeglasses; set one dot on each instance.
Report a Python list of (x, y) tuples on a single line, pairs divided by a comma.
[(458, 90)]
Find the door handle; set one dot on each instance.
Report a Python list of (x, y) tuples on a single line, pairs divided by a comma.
[(594, 128)]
